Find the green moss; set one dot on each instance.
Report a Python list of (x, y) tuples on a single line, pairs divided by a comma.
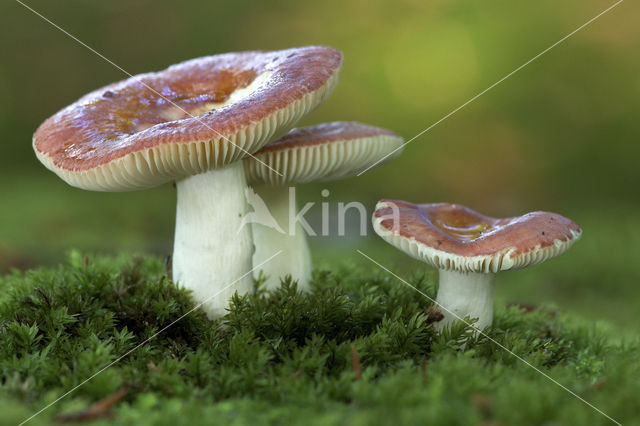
[(285, 357)]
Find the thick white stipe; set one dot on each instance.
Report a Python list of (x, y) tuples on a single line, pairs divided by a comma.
[(465, 294), (211, 249), (295, 259)]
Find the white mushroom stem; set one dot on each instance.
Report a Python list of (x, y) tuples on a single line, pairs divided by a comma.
[(465, 294), (212, 250), (290, 238)]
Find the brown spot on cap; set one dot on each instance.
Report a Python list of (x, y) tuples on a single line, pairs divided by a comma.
[(195, 116), (323, 152), (454, 237)]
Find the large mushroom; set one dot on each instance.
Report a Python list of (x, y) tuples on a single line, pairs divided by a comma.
[(319, 153), (191, 123), (469, 248)]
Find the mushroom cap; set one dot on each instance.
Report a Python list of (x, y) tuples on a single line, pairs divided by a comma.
[(454, 237), (321, 153), (192, 117)]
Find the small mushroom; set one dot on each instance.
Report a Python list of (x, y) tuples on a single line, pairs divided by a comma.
[(324, 152), (469, 248), (191, 123)]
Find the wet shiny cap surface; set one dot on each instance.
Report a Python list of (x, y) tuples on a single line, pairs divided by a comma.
[(217, 99), (454, 237)]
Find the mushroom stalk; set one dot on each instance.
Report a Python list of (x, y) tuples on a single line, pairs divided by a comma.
[(212, 249), (465, 294), (290, 239)]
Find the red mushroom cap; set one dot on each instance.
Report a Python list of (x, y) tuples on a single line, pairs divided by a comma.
[(320, 153), (454, 237), (194, 116)]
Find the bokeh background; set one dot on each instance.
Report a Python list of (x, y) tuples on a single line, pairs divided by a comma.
[(560, 135)]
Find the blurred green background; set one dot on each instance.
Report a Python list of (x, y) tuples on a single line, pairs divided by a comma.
[(560, 135)]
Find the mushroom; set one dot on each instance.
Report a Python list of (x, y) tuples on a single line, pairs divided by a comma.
[(469, 248), (319, 153), (191, 123)]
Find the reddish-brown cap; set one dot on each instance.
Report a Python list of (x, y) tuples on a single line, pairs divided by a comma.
[(454, 237), (323, 152), (195, 116)]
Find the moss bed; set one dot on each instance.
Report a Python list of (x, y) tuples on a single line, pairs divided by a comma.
[(359, 350)]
